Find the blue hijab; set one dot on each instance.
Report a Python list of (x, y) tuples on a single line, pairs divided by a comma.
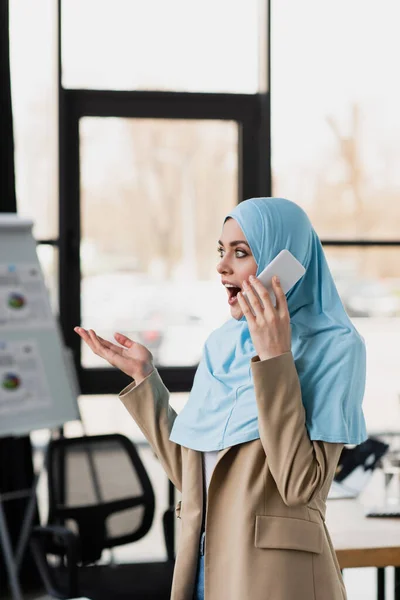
[(328, 351)]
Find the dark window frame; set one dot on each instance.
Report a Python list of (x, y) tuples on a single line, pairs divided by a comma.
[(245, 110)]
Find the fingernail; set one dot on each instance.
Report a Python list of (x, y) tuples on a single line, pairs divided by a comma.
[(245, 284), (252, 278), (276, 279)]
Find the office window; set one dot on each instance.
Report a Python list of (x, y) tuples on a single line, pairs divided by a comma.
[(335, 118), (48, 258), (154, 193), (33, 63), (334, 123), (177, 45)]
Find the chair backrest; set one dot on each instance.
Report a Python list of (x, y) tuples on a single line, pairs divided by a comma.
[(100, 489)]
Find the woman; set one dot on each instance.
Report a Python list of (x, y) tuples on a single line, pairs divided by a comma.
[(276, 395)]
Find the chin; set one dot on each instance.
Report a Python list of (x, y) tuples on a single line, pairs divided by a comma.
[(236, 314)]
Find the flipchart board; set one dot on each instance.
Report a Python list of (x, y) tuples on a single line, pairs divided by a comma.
[(37, 390)]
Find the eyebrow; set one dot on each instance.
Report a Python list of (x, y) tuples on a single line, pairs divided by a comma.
[(235, 243)]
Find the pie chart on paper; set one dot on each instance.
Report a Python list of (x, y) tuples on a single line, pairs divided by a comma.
[(16, 300), (11, 381)]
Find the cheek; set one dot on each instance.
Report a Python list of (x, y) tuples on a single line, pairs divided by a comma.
[(250, 270)]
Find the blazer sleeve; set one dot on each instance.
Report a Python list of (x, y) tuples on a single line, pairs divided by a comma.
[(299, 466), (148, 404)]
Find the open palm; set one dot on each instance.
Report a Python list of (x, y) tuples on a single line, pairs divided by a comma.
[(132, 358)]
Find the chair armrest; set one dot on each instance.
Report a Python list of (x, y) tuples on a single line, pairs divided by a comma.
[(63, 539)]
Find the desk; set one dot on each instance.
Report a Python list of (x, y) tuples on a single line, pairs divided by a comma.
[(365, 542)]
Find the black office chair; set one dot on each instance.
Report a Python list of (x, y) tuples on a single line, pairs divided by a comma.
[(100, 496)]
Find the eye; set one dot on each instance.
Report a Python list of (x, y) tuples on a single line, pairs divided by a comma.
[(242, 252)]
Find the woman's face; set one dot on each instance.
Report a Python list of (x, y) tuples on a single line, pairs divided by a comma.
[(237, 263)]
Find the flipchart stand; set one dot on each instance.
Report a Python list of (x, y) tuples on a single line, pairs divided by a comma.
[(13, 560), (37, 385)]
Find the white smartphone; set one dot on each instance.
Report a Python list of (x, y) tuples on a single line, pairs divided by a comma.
[(288, 269)]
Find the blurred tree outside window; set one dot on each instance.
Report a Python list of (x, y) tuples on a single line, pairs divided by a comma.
[(153, 197)]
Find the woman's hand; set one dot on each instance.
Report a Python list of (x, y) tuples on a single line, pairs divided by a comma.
[(269, 327), (133, 359)]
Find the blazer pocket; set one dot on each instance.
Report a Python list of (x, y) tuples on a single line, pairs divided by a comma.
[(178, 509), (287, 533)]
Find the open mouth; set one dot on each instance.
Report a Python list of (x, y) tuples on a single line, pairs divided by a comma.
[(232, 294)]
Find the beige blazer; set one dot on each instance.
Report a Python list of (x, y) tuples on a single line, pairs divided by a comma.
[(266, 537)]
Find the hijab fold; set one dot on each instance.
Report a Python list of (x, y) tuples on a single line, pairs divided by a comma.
[(328, 351)]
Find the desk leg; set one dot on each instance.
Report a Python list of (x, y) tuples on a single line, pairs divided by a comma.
[(9, 557), (380, 575), (397, 583)]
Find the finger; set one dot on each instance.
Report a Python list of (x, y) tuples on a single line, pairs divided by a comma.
[(252, 298), (281, 300), (245, 307), (84, 335), (123, 340), (116, 359), (264, 295), (99, 347), (111, 346), (80, 331), (91, 340)]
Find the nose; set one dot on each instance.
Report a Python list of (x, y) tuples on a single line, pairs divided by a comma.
[(223, 266)]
